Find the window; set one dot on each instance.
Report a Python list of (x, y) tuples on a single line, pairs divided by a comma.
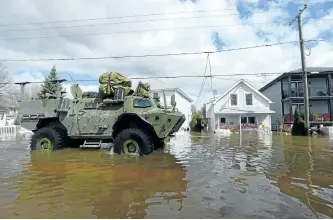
[(222, 120), (293, 89), (300, 108), (155, 95), (251, 120), (233, 99), (142, 103), (249, 99), (248, 120)]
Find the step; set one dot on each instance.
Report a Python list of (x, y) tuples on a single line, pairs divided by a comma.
[(91, 144)]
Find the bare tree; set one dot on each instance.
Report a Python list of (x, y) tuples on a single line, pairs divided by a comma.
[(4, 81), (13, 94), (31, 91)]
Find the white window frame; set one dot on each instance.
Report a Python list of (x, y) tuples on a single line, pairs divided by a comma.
[(236, 99), (247, 93)]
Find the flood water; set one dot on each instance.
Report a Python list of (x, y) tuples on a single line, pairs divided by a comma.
[(195, 176)]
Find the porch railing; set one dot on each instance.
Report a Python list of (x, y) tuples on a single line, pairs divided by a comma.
[(314, 91), (313, 117), (233, 125)]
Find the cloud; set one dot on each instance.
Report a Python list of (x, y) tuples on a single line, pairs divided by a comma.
[(237, 26)]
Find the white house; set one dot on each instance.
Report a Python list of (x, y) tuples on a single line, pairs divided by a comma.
[(183, 102), (241, 104)]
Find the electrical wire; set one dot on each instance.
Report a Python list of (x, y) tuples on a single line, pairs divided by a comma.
[(136, 31), (146, 55), (131, 22), (123, 22), (309, 48), (176, 77), (139, 15), (129, 16), (113, 17), (203, 80)]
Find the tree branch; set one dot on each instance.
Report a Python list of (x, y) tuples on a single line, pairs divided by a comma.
[(4, 80)]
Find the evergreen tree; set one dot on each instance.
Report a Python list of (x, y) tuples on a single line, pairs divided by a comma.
[(298, 126), (50, 86)]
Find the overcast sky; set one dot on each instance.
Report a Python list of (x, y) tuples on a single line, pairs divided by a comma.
[(220, 25)]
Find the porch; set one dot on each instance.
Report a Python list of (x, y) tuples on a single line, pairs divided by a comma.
[(319, 112), (246, 121)]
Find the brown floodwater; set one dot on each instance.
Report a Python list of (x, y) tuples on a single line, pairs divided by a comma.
[(195, 176)]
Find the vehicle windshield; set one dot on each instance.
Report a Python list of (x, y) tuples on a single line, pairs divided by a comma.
[(142, 103)]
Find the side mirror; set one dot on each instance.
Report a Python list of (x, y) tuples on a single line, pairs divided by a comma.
[(173, 100)]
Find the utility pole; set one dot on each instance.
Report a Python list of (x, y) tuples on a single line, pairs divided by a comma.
[(22, 85), (305, 77)]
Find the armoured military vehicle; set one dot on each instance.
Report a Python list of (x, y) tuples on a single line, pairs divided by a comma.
[(134, 121)]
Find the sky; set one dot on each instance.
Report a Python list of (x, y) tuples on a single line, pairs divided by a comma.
[(39, 29)]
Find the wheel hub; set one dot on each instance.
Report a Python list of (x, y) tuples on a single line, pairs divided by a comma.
[(131, 147), (44, 144)]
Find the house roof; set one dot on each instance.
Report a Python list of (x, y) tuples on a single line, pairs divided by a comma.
[(160, 85), (312, 70), (247, 84), (174, 89)]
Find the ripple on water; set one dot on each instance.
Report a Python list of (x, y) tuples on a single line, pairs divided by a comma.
[(193, 177)]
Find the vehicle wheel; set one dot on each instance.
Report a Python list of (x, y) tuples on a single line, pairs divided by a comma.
[(133, 141), (49, 138), (160, 143)]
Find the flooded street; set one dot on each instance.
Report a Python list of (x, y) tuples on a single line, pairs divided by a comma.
[(195, 176)]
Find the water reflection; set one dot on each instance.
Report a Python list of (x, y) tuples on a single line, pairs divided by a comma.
[(306, 173), (197, 175), (77, 185)]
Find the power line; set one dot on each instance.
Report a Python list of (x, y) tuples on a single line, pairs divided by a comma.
[(143, 21), (148, 55), (136, 31), (203, 80), (182, 76), (124, 16), (137, 15), (123, 22), (113, 17)]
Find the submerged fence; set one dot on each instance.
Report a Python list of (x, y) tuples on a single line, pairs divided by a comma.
[(8, 131)]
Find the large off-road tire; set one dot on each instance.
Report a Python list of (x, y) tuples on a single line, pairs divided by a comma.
[(49, 138), (159, 144), (133, 141)]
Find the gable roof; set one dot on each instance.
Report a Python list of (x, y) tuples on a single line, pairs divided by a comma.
[(159, 85), (248, 85), (174, 89)]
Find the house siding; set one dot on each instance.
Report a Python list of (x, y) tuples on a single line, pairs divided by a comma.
[(182, 104), (260, 109), (274, 94), (224, 105)]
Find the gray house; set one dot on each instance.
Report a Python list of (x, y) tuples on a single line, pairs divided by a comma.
[(286, 92)]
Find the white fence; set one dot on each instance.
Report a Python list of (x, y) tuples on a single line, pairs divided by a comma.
[(8, 131)]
